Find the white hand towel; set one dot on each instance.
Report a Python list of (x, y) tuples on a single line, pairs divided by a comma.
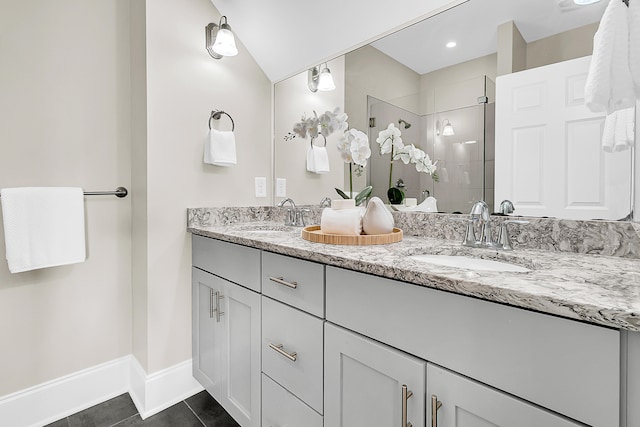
[(43, 227), (220, 148), (634, 43), (609, 85), (618, 134), (317, 159), (341, 221)]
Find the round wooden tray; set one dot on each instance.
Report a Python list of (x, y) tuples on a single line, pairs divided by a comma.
[(312, 233)]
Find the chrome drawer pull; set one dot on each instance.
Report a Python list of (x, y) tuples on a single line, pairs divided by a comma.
[(279, 349), (435, 405), (278, 280), (406, 394)]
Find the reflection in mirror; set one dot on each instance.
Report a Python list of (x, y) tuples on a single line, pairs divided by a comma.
[(412, 75)]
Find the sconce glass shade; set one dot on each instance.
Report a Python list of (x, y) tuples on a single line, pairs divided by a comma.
[(325, 81), (225, 43), (220, 40), (585, 2), (320, 80), (447, 129)]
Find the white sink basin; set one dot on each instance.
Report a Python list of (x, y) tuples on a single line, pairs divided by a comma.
[(469, 263)]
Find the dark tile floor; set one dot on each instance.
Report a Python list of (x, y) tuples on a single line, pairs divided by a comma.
[(197, 411)]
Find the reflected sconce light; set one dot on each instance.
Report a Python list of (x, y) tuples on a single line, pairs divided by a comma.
[(320, 78), (220, 41), (447, 129)]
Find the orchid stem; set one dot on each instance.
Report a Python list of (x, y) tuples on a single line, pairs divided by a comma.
[(350, 181), (391, 167)]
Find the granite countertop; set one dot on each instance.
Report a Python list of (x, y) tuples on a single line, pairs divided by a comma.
[(599, 289)]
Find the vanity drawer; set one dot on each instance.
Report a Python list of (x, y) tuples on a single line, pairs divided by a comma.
[(294, 281), (300, 333), (281, 408), (236, 263), (567, 366)]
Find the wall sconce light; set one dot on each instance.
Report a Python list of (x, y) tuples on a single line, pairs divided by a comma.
[(320, 79), (447, 129), (220, 40)]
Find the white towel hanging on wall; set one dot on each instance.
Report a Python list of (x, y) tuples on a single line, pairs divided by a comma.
[(43, 227)]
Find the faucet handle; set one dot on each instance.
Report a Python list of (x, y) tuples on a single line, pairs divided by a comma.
[(506, 207), (504, 242), (299, 217), (469, 234)]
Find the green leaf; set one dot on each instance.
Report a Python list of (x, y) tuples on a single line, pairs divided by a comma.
[(362, 196), (342, 194)]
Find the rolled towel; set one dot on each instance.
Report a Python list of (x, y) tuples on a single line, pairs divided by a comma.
[(341, 221), (220, 148), (317, 159), (609, 86)]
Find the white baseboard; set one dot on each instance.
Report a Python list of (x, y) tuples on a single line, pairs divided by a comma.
[(156, 392), (59, 398)]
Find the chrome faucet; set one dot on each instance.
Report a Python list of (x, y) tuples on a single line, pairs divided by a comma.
[(480, 213), (506, 207), (290, 218), (325, 203)]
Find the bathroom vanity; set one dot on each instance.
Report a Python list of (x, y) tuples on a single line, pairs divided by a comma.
[(289, 332)]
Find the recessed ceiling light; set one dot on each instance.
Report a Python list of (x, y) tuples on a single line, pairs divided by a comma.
[(451, 44), (585, 2)]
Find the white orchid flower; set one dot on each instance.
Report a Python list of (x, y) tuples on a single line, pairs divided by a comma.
[(389, 139), (359, 147)]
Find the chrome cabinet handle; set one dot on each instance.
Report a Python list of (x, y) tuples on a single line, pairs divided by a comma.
[(406, 394), (435, 405), (218, 296), (211, 309), (280, 281), (279, 348)]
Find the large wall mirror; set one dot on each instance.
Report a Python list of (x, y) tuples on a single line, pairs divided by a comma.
[(416, 80)]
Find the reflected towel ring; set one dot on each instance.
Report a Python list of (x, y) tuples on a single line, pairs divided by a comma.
[(325, 140), (216, 114)]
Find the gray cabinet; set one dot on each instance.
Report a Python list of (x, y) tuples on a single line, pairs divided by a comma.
[(226, 338), (368, 384), (456, 401)]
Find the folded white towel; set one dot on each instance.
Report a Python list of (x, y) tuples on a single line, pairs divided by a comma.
[(220, 148), (341, 221), (43, 227), (618, 133), (634, 43), (609, 85), (317, 159)]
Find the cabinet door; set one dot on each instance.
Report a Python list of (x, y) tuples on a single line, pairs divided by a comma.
[(364, 381), (240, 354), (205, 340), (466, 403)]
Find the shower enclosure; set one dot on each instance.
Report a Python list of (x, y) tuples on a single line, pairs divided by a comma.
[(465, 157)]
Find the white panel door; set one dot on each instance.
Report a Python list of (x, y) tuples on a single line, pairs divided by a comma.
[(240, 353), (363, 385), (466, 403), (549, 157)]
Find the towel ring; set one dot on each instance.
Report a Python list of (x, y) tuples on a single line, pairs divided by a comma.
[(325, 140), (216, 114)]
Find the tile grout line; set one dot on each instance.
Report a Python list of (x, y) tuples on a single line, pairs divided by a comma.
[(125, 419), (194, 413)]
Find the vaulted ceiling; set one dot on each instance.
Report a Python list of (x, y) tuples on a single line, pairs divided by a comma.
[(289, 36)]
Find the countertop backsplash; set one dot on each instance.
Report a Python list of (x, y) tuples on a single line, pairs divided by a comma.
[(612, 238)]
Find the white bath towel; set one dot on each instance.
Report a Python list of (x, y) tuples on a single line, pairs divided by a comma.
[(220, 148), (618, 134), (634, 43), (341, 221), (317, 159), (609, 85), (43, 227)]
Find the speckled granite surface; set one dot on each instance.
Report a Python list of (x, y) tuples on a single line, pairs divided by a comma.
[(598, 289)]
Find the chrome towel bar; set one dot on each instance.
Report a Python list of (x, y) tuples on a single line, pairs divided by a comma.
[(119, 192)]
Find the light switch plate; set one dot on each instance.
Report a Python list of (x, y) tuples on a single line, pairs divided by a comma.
[(281, 187), (261, 186)]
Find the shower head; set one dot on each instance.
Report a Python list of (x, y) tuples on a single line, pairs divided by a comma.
[(407, 125)]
